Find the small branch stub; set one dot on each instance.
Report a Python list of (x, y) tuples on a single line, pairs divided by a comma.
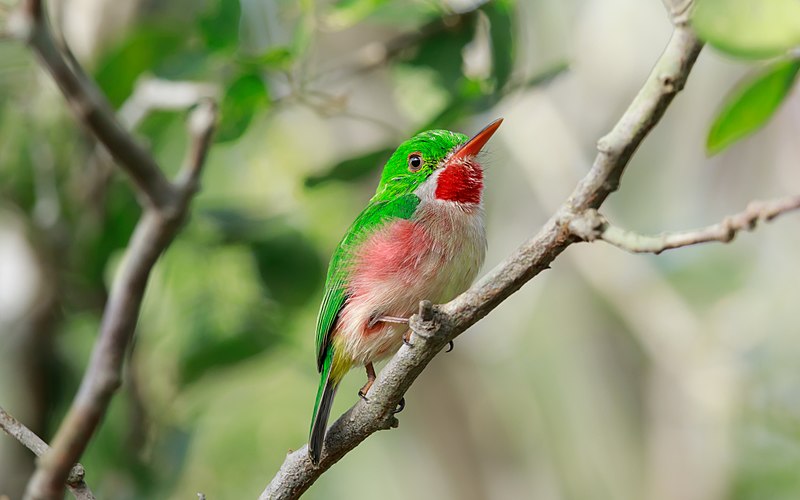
[(426, 310), (422, 323)]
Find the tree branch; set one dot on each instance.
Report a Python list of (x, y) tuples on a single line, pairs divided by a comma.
[(30, 440), (592, 225), (29, 24), (679, 10), (165, 207), (152, 93), (153, 233), (433, 331)]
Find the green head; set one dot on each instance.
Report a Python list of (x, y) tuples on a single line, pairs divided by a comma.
[(418, 158)]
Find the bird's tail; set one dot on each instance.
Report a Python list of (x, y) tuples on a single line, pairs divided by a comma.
[(322, 409)]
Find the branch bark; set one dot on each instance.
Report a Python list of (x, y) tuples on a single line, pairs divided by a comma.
[(165, 205), (29, 24), (444, 323), (18, 430), (591, 225)]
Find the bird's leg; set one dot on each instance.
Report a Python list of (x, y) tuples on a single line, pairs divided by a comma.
[(407, 338), (375, 319), (450, 346), (370, 379)]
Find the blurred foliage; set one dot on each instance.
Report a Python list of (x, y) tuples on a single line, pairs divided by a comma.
[(439, 47), (243, 98), (233, 285), (750, 29), (753, 29), (147, 50), (214, 392)]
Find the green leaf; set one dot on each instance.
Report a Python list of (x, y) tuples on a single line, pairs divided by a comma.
[(352, 168), (289, 267), (220, 28), (749, 28), (206, 354), (442, 51), (750, 105), (119, 68), (287, 262), (246, 95)]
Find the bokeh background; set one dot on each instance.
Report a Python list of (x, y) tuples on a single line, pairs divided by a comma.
[(611, 376)]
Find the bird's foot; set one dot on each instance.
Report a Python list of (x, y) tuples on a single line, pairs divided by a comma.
[(407, 339), (450, 346), (400, 406)]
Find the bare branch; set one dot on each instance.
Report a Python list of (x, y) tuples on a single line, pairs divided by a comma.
[(153, 233), (449, 320), (679, 10), (201, 126), (30, 440), (165, 207), (152, 93), (591, 226), (29, 24)]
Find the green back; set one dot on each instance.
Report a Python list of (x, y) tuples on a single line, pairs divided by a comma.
[(394, 199)]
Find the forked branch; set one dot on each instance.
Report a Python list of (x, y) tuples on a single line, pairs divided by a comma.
[(165, 205)]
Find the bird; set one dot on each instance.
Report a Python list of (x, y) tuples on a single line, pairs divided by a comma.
[(421, 237)]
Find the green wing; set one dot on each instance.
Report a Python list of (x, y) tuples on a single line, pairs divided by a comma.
[(377, 213)]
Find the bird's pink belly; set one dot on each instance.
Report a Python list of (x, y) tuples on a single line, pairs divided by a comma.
[(399, 266)]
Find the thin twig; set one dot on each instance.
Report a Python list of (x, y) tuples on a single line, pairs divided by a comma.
[(449, 320), (591, 226), (679, 10), (18, 430), (201, 125), (150, 94)]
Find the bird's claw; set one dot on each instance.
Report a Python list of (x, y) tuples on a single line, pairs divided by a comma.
[(450, 346), (400, 406), (363, 396), (407, 339)]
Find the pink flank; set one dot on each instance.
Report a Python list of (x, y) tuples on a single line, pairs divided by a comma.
[(394, 255)]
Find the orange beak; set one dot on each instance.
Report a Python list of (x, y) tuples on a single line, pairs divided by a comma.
[(473, 146)]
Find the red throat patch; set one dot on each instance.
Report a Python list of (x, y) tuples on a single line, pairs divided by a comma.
[(461, 182)]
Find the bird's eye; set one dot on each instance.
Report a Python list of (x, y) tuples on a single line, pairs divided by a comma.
[(414, 162)]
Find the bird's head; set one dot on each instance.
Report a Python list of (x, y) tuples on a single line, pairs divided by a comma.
[(437, 164)]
